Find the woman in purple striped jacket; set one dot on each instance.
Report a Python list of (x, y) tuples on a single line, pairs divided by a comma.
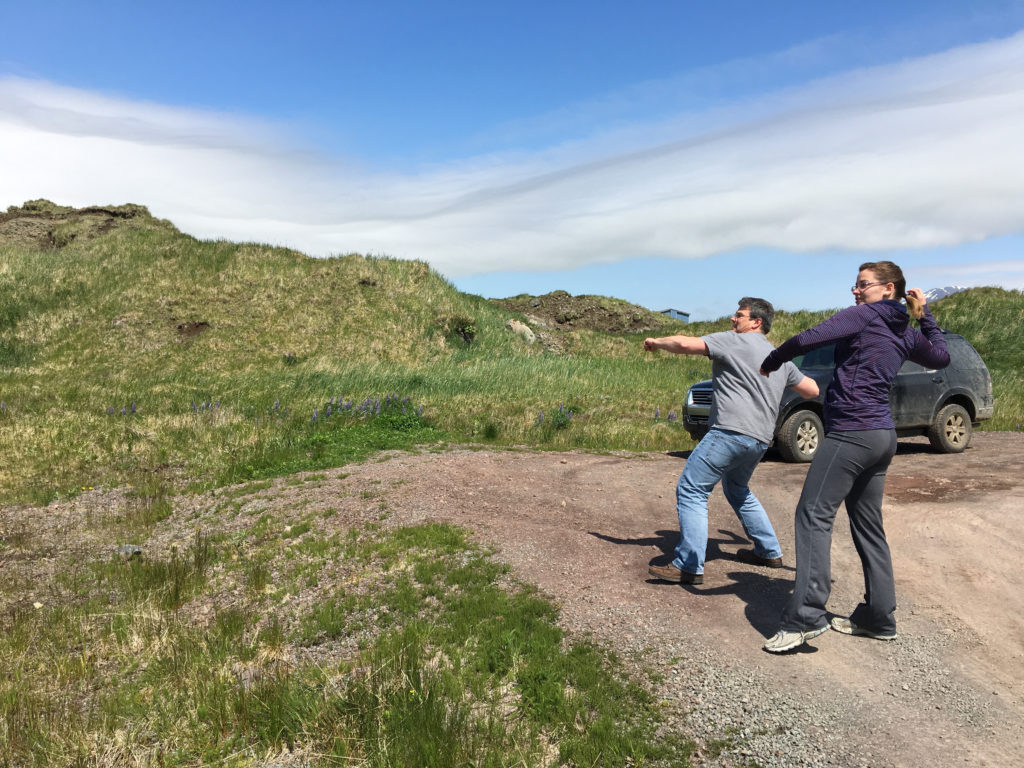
[(873, 338)]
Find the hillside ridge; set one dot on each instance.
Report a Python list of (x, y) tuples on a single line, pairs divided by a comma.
[(45, 224), (111, 312), (561, 310)]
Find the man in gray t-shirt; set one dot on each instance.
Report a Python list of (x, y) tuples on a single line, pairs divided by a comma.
[(741, 424)]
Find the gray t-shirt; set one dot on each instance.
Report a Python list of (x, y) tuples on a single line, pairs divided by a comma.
[(744, 401)]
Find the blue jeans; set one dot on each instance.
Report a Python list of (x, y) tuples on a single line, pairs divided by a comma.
[(731, 458)]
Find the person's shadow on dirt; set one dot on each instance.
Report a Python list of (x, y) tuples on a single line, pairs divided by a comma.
[(679, 454), (765, 596), (666, 541)]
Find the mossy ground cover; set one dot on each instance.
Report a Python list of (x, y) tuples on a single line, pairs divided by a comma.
[(276, 631), (137, 355), (147, 358)]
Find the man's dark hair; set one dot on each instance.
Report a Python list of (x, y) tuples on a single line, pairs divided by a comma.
[(761, 309)]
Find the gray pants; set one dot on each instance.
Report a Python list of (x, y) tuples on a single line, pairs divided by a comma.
[(850, 467)]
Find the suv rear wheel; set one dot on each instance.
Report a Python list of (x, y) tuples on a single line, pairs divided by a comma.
[(799, 436), (951, 430)]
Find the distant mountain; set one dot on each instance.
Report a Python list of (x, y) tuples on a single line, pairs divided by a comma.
[(935, 294)]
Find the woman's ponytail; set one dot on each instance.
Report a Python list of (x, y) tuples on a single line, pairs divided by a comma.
[(915, 307)]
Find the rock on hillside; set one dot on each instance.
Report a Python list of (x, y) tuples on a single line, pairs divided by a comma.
[(42, 224), (560, 310)]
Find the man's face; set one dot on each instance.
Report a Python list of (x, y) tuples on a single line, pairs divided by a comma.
[(741, 322)]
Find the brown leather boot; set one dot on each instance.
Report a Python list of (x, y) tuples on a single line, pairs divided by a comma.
[(749, 556), (671, 573)]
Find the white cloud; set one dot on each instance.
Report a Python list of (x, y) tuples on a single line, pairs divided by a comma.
[(1007, 273), (924, 153)]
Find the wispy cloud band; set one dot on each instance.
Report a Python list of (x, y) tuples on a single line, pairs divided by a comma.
[(923, 153)]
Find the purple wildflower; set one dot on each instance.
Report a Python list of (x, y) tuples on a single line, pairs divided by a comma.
[(314, 414), (327, 413), (540, 417), (671, 416), (110, 411), (419, 411), (133, 407)]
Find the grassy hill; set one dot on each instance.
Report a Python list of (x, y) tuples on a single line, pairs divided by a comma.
[(256, 624), (131, 353)]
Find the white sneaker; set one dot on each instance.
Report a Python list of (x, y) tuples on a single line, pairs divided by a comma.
[(847, 627), (787, 640)]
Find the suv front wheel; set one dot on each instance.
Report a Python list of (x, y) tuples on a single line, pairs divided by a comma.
[(799, 436), (951, 430)]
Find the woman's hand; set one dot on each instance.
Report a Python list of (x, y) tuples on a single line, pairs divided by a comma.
[(918, 295)]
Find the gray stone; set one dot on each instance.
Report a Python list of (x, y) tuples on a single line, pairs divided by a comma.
[(522, 330)]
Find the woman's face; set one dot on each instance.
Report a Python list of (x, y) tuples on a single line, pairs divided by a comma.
[(870, 289)]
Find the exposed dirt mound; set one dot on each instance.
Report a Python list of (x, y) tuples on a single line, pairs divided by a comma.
[(42, 224), (561, 310)]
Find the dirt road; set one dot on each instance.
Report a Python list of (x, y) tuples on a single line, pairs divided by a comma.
[(584, 528)]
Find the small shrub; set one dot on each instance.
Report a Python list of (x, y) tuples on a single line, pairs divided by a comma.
[(459, 328)]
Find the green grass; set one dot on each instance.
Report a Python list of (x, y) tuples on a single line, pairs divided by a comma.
[(991, 319), (426, 656), (93, 330), (89, 330)]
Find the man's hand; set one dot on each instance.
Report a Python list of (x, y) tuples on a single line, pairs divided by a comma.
[(650, 345)]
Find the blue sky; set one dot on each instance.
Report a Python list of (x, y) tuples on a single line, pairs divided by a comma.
[(674, 154)]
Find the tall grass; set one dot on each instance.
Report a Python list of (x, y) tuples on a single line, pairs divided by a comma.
[(226, 351), (148, 354), (992, 319), (124, 663)]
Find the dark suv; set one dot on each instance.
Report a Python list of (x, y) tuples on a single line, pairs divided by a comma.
[(944, 404)]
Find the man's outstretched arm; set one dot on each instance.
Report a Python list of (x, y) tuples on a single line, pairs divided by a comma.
[(807, 387), (680, 345)]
